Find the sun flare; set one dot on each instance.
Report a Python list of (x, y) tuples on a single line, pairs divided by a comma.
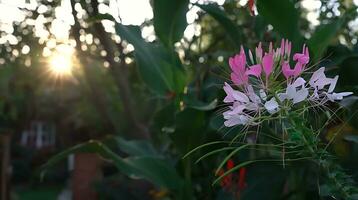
[(60, 65), (61, 61)]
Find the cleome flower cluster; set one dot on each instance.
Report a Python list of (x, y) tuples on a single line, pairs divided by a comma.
[(257, 89)]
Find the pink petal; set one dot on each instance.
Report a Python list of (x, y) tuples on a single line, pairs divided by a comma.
[(282, 48), (298, 69), (267, 63), (302, 58), (307, 53), (239, 79), (289, 47), (258, 51), (254, 70), (238, 62), (286, 70), (232, 64)]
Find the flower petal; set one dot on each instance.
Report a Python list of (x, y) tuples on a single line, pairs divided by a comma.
[(286, 70), (271, 106), (299, 82), (254, 70), (300, 95), (333, 84), (267, 63)]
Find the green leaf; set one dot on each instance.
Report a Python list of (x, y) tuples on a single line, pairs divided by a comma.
[(136, 147), (282, 15), (159, 69), (170, 19), (215, 11), (323, 36), (150, 168), (199, 105)]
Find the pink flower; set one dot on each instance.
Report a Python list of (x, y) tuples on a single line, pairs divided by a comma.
[(286, 70), (267, 63), (303, 57), (258, 52), (238, 67), (282, 48), (254, 97), (254, 70)]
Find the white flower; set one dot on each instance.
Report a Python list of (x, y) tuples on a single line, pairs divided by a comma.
[(272, 106), (236, 119), (319, 79), (295, 91), (234, 95), (337, 96)]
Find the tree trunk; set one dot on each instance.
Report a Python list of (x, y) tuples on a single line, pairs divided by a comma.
[(87, 170), (5, 165)]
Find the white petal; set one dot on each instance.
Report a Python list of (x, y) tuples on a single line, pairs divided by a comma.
[(252, 95), (228, 90), (333, 84), (236, 120), (299, 82), (252, 106), (282, 96), (239, 96), (317, 75), (237, 109), (338, 96), (272, 106), (300, 95), (290, 92), (320, 83)]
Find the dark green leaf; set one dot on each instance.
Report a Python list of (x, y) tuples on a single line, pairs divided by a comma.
[(153, 169), (323, 36), (170, 19), (199, 105), (282, 15), (215, 11), (136, 147), (159, 69)]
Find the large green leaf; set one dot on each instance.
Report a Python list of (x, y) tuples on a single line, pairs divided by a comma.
[(170, 19), (153, 169), (160, 70), (215, 11), (136, 147), (323, 36), (282, 15)]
